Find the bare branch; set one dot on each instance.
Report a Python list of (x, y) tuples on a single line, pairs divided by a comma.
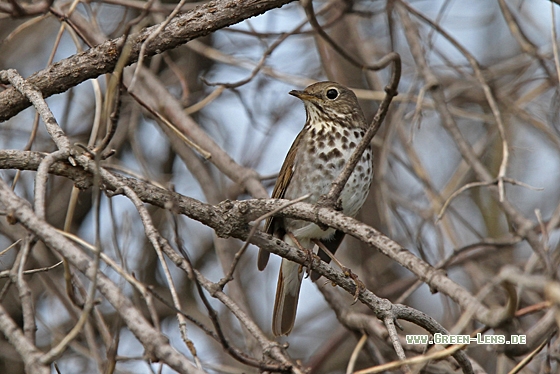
[(101, 59)]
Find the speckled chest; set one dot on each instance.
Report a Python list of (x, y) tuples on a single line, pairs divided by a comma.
[(321, 156)]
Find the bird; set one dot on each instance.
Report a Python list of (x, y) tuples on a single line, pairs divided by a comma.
[(335, 125)]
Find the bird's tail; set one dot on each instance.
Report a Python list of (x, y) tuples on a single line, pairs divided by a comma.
[(287, 295)]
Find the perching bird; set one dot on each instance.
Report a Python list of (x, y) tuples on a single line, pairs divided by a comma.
[(335, 125)]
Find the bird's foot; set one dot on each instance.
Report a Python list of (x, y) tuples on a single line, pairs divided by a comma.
[(360, 286), (311, 259), (310, 256)]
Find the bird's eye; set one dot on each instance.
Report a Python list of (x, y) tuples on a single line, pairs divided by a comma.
[(332, 93)]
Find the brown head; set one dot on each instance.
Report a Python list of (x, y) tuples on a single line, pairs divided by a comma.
[(331, 102)]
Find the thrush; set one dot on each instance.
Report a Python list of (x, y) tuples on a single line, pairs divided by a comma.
[(334, 126)]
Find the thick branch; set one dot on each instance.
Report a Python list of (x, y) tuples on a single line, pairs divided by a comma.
[(231, 219), (101, 59)]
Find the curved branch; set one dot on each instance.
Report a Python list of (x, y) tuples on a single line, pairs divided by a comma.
[(231, 219), (70, 72)]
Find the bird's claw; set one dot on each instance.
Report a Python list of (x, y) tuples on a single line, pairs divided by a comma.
[(311, 258), (360, 286)]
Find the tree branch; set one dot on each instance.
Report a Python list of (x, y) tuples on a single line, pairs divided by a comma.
[(70, 72), (232, 218)]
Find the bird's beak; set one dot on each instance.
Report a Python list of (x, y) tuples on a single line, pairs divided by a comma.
[(302, 95)]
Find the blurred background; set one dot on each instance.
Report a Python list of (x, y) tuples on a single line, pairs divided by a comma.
[(234, 85)]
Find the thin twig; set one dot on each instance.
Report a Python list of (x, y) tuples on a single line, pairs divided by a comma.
[(59, 348), (152, 36), (5, 273), (527, 359), (393, 336), (207, 155), (3, 252), (355, 353), (414, 360), (331, 198)]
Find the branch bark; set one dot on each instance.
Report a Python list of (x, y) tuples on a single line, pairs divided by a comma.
[(70, 72), (232, 218)]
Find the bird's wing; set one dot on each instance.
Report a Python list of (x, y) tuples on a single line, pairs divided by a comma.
[(284, 178), (274, 225)]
